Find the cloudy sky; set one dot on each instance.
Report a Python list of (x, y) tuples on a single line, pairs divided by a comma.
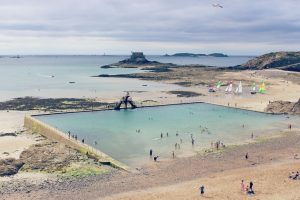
[(242, 27)]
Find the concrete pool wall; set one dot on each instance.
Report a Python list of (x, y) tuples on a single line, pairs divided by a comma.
[(52, 133)]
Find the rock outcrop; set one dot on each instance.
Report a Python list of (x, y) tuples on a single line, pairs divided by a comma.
[(284, 107), (10, 166), (289, 61)]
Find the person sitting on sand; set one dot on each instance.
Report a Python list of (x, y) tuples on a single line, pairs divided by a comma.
[(155, 158), (294, 176)]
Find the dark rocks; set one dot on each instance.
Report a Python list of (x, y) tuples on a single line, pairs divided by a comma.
[(10, 166), (185, 93), (32, 103), (8, 134)]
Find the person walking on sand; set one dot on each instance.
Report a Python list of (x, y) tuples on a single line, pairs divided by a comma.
[(251, 187), (69, 132), (246, 156), (242, 186), (82, 141), (201, 190), (173, 154)]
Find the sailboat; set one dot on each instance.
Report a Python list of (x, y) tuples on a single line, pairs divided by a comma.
[(229, 88), (219, 83), (253, 91), (239, 89), (262, 88)]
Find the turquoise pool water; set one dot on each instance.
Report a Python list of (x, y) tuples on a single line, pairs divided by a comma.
[(116, 131)]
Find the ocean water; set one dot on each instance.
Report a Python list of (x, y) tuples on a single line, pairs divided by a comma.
[(49, 76), (116, 131)]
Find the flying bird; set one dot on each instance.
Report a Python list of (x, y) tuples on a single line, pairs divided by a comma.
[(217, 6)]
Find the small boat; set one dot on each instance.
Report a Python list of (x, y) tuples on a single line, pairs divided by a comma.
[(253, 88), (71, 82), (262, 88), (145, 85), (229, 88), (239, 89), (219, 84)]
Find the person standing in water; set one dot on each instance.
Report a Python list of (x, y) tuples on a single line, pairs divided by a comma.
[(161, 135), (173, 154), (151, 152), (193, 141)]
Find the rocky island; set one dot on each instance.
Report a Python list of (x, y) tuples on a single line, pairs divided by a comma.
[(197, 55), (289, 61), (136, 59)]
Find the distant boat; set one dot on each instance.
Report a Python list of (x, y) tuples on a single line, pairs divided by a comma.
[(71, 82), (229, 88), (253, 91), (262, 88), (239, 89)]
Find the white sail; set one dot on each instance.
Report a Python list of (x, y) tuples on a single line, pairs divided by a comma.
[(240, 88), (230, 87), (237, 90), (227, 88)]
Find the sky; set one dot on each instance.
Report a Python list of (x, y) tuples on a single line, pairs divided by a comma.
[(241, 27)]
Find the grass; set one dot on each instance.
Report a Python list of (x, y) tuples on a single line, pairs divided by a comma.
[(82, 170)]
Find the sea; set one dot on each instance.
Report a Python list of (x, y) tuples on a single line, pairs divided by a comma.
[(59, 76)]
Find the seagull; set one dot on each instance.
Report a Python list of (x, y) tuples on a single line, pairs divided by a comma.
[(217, 5)]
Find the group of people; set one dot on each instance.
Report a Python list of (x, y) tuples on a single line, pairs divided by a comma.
[(217, 145), (73, 136), (294, 176), (248, 189)]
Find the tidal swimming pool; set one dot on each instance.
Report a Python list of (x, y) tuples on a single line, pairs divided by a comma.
[(128, 135)]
